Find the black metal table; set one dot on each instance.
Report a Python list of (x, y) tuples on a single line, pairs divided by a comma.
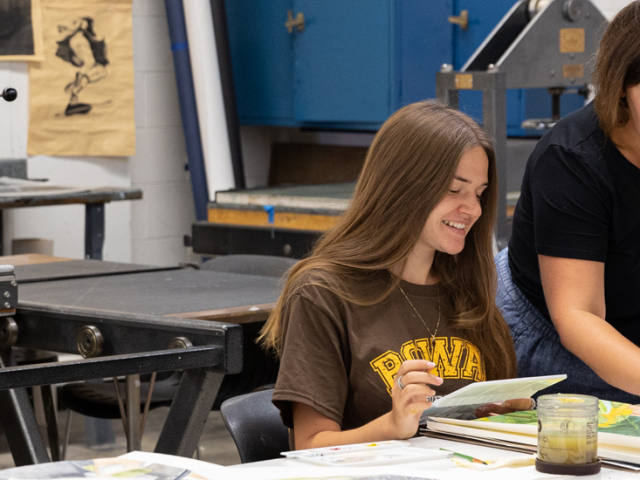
[(139, 312), (94, 200)]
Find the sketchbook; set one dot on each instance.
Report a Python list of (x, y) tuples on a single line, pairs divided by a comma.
[(106, 468), (462, 403), (618, 429)]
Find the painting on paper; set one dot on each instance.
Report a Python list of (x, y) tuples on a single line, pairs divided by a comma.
[(82, 94)]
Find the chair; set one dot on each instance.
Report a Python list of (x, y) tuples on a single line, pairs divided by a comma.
[(255, 426)]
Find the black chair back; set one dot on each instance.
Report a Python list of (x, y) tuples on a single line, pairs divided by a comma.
[(255, 426)]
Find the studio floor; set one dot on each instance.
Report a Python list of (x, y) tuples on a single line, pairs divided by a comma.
[(216, 445)]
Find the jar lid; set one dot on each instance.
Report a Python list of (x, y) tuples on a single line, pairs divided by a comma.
[(568, 469), (566, 401)]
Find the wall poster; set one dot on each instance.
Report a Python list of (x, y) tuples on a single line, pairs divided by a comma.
[(21, 31), (81, 95)]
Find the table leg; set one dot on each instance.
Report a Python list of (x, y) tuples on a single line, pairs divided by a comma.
[(19, 422), (51, 417), (132, 389), (94, 230), (189, 411), (1, 232)]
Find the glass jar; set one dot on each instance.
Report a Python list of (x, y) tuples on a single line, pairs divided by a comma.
[(568, 430)]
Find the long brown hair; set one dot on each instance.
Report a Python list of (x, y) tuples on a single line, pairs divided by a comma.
[(617, 67), (408, 170)]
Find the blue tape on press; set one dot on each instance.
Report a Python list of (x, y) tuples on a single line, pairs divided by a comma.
[(179, 46), (270, 211)]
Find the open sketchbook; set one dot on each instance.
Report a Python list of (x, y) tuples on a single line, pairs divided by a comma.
[(462, 403), (106, 468), (618, 429)]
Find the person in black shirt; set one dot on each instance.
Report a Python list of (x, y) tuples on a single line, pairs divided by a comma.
[(569, 282)]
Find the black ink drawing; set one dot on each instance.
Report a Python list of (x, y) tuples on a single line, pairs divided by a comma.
[(16, 30), (81, 47)]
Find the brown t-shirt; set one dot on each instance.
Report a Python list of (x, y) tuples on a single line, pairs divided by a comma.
[(341, 359)]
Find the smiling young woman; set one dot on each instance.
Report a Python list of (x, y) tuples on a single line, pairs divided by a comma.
[(396, 303)]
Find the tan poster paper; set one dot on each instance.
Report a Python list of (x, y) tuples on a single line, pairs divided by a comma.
[(81, 95)]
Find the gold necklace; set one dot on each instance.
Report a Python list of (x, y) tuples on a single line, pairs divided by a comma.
[(433, 335)]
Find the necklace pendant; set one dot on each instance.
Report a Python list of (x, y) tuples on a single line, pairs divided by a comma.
[(433, 341)]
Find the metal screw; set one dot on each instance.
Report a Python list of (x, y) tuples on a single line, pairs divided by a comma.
[(552, 73), (446, 67), (7, 294), (572, 56), (286, 249), (14, 283), (7, 305)]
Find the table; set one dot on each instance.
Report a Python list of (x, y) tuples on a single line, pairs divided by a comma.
[(283, 468), (437, 469), (93, 199), (139, 311)]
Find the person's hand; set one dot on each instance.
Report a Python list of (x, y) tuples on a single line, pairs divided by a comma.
[(412, 395), (500, 408)]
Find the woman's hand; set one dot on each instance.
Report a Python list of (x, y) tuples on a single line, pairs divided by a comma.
[(500, 408), (412, 395)]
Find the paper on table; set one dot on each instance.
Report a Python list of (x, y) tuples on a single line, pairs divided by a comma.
[(205, 469), (382, 456), (99, 468)]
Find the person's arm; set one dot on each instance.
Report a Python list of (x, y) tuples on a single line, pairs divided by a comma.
[(313, 430), (574, 292)]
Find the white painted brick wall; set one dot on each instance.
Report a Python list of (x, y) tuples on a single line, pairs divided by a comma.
[(165, 214)]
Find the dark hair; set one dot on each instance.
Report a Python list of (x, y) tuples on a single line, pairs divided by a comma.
[(408, 170), (617, 67)]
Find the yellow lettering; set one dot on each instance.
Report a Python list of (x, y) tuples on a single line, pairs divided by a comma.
[(387, 365), (412, 351), (454, 358), (474, 368), (447, 357), (423, 346)]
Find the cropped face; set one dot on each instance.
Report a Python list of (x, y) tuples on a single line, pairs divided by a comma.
[(633, 101), (450, 221)]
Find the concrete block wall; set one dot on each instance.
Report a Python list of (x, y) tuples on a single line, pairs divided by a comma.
[(165, 214)]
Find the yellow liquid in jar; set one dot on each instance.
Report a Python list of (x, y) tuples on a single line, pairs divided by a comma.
[(558, 447)]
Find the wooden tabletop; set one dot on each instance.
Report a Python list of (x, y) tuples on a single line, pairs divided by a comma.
[(31, 259)]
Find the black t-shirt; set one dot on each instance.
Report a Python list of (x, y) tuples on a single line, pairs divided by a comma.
[(580, 199)]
